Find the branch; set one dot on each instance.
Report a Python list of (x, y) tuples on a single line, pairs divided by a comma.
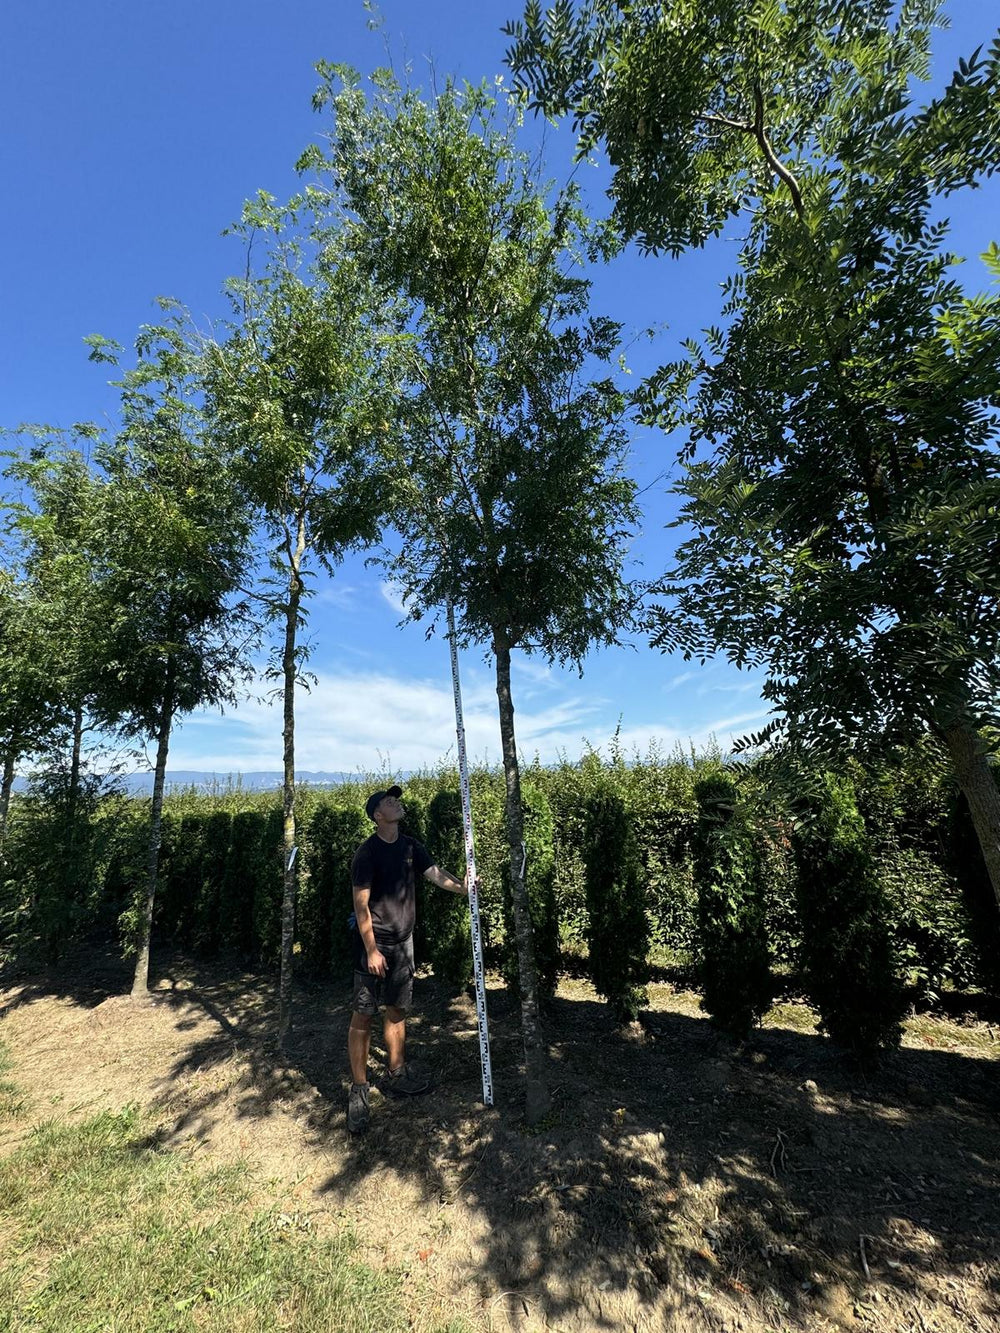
[(772, 158), (724, 120)]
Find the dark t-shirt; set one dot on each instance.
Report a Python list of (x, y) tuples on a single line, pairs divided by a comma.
[(390, 869)]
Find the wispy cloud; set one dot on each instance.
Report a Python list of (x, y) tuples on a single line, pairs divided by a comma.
[(728, 725), (352, 722), (744, 688), (393, 594), (539, 673), (342, 596), (676, 681)]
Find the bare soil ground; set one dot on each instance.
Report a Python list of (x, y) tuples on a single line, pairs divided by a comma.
[(681, 1183)]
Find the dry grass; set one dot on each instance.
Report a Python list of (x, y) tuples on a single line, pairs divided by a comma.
[(680, 1182)]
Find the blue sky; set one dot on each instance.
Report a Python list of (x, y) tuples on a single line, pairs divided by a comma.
[(132, 134)]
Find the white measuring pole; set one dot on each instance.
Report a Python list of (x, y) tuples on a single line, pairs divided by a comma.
[(470, 861)]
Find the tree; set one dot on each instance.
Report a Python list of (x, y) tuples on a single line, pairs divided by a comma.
[(169, 551), (845, 516), (46, 614), (55, 525), (518, 507), (22, 683), (300, 391)]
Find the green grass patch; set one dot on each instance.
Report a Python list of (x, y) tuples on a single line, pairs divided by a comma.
[(104, 1230), (12, 1100), (933, 1030)]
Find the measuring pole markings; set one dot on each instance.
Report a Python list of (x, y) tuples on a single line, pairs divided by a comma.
[(470, 861)]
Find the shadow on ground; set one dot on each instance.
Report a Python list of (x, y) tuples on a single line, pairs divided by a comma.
[(679, 1181)]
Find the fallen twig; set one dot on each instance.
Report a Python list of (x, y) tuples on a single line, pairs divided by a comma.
[(778, 1153), (864, 1258)]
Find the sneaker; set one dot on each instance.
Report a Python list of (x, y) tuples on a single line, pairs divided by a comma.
[(358, 1113), (405, 1082)]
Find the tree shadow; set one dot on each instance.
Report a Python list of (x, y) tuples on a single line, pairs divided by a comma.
[(679, 1178)]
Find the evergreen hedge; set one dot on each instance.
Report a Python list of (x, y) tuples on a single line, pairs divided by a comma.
[(734, 962), (850, 974), (617, 931), (443, 917), (325, 901), (540, 868), (917, 870)]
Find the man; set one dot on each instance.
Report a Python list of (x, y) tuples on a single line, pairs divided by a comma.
[(384, 879)]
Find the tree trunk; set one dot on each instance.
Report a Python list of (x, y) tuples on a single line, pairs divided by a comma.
[(537, 1101), (140, 982), (6, 787), (975, 777), (74, 765), (288, 895)]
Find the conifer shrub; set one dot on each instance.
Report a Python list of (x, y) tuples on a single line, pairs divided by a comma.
[(734, 961), (250, 896), (847, 963), (325, 900), (179, 876), (216, 834), (125, 870), (617, 927), (268, 887), (442, 917), (53, 864), (568, 788), (492, 857), (659, 800), (928, 923), (540, 866)]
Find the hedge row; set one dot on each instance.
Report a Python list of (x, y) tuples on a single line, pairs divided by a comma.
[(876, 878)]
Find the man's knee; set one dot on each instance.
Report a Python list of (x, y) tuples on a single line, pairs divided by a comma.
[(361, 1022), (394, 1014)]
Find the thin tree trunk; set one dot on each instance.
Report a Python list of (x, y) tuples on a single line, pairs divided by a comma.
[(288, 664), (140, 982), (537, 1099), (6, 787), (975, 777), (74, 765)]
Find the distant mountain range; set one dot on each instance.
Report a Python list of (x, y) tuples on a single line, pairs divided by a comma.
[(138, 784)]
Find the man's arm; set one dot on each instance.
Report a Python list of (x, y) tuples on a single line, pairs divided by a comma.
[(444, 880), (363, 916)]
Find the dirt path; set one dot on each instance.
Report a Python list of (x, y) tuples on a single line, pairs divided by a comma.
[(679, 1183)]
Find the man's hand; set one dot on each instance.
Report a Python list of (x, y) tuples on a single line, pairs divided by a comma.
[(376, 963), (475, 883)]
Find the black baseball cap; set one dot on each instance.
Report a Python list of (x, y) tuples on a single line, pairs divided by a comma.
[(377, 796)]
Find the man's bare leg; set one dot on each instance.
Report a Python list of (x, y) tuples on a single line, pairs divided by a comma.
[(358, 1041), (394, 1031)]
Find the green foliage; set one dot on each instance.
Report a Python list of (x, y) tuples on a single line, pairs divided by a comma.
[(48, 614), (567, 788), (847, 963), (180, 874), (55, 857), (930, 927), (617, 928), (540, 877), (220, 866), (325, 903), (445, 916), (518, 506), (250, 892), (492, 857), (842, 478), (734, 958), (206, 925)]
